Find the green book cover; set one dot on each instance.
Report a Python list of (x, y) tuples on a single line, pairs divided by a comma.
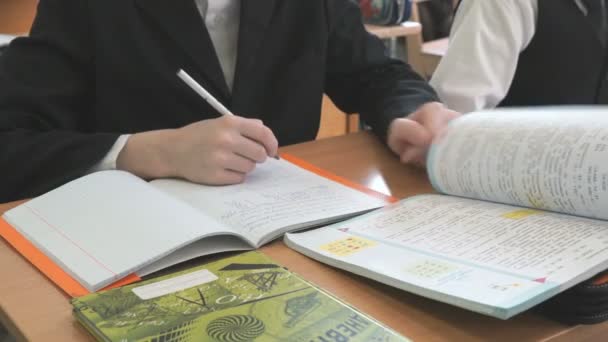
[(247, 297)]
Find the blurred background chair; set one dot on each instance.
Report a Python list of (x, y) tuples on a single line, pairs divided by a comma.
[(426, 50)]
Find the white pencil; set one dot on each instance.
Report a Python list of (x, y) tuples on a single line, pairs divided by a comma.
[(205, 95)]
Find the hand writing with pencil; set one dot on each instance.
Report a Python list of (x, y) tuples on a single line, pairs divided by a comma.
[(217, 152)]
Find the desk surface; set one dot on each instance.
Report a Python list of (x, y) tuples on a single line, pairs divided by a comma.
[(408, 28), (34, 309), (16, 16), (436, 47)]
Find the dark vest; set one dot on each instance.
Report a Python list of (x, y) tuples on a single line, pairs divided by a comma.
[(565, 63)]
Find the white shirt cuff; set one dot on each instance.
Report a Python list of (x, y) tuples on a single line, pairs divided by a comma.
[(109, 161)]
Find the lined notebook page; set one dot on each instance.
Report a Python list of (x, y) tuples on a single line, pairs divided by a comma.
[(102, 227), (276, 195)]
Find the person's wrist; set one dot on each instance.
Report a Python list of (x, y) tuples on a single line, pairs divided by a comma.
[(149, 155)]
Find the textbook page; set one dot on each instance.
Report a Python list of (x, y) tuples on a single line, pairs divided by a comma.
[(491, 258), (277, 196), (104, 226), (550, 158)]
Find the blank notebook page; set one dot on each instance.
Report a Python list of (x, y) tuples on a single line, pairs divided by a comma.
[(102, 227)]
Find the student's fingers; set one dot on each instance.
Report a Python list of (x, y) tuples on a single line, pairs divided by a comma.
[(434, 116), (258, 132), (226, 177), (250, 149), (215, 174), (431, 121), (404, 132), (413, 154), (452, 114), (240, 164)]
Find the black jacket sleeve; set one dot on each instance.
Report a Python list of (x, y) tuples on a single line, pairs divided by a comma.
[(362, 78), (46, 105)]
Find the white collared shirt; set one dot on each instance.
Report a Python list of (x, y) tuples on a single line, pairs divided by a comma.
[(222, 18), (485, 43)]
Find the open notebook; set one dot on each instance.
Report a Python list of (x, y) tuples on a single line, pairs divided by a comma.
[(104, 226)]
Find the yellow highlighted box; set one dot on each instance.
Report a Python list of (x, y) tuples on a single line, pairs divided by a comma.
[(520, 214), (348, 246)]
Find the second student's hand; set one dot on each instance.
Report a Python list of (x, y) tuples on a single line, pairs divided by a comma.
[(216, 152), (411, 137)]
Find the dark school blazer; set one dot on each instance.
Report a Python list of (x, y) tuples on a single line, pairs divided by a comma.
[(94, 69)]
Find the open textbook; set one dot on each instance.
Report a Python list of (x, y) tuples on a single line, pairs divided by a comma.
[(104, 226), (521, 216)]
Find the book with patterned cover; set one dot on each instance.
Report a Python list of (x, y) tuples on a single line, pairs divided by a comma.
[(247, 297)]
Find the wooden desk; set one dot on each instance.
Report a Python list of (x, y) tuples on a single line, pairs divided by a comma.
[(425, 56), (434, 51), (411, 32), (34, 309), (16, 15), (408, 28)]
